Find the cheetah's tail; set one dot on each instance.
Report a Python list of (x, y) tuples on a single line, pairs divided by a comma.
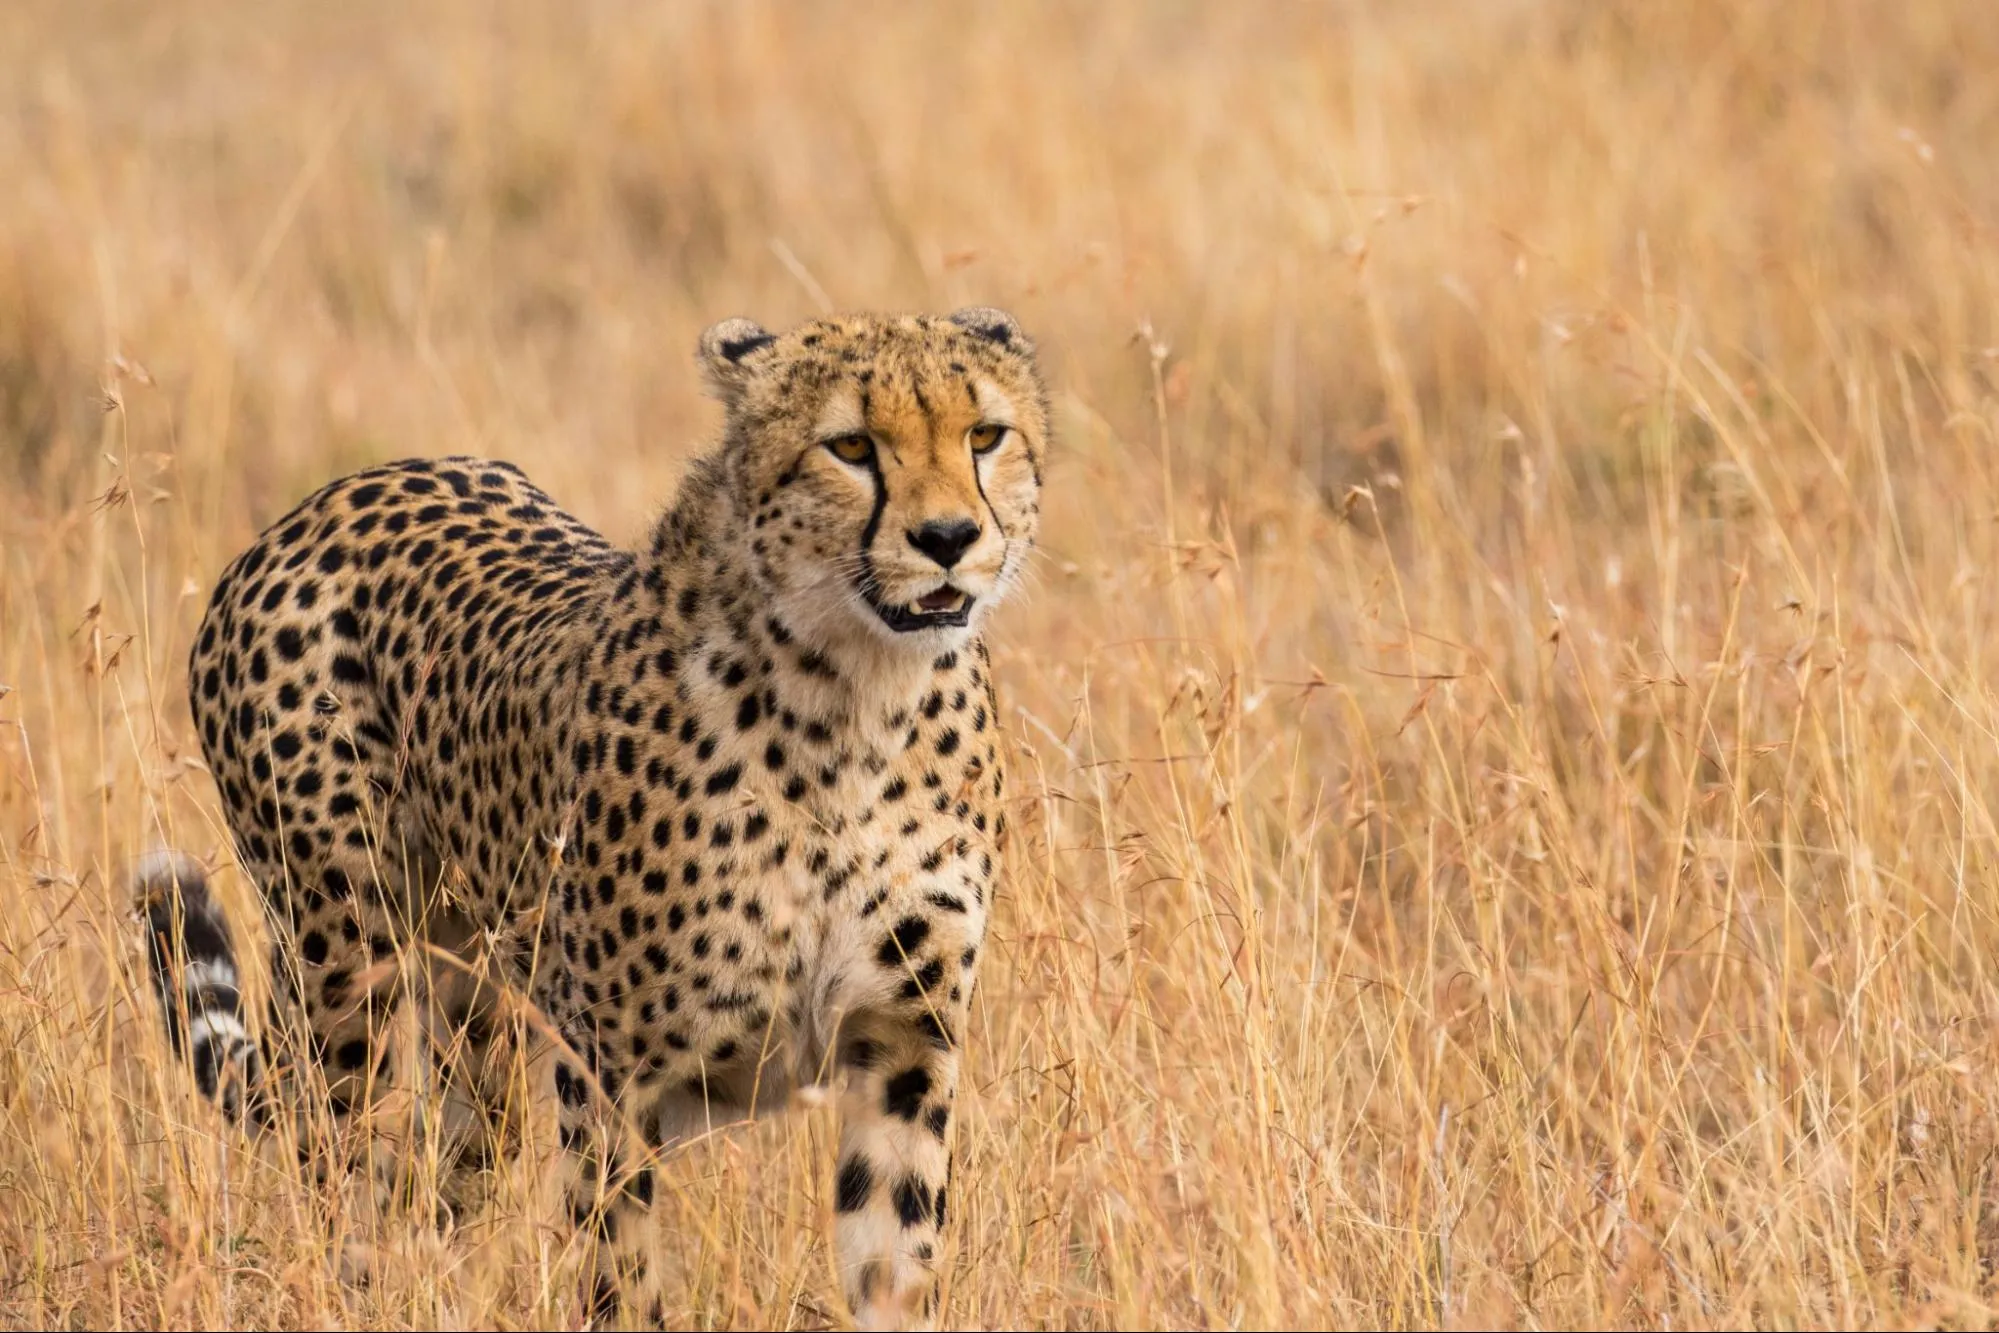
[(194, 972)]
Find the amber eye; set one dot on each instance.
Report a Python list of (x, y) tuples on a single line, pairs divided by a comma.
[(856, 449), (987, 437)]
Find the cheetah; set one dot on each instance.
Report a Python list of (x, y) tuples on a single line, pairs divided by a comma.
[(728, 807)]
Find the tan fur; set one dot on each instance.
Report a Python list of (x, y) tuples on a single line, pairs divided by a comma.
[(763, 823)]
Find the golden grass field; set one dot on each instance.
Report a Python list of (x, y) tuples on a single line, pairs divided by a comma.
[(1504, 727)]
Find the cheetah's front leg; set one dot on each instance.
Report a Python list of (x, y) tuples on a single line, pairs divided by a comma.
[(609, 1203), (893, 1174)]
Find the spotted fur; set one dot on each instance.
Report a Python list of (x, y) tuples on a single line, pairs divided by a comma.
[(728, 806)]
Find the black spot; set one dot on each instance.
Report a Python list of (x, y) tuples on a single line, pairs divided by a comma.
[(926, 979), (857, 1182), (936, 1030), (722, 779), (904, 1094), (913, 1201), (907, 938)]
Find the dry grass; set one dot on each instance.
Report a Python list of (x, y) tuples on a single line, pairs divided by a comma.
[(1505, 729)]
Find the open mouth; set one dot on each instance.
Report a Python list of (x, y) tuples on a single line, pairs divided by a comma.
[(947, 607)]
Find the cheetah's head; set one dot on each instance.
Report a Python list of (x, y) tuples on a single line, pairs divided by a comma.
[(887, 469)]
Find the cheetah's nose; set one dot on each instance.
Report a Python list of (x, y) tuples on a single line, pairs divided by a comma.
[(945, 540)]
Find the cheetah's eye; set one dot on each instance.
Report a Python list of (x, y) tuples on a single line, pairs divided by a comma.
[(987, 437), (855, 449)]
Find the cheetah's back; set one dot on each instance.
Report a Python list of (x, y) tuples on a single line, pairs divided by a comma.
[(389, 657)]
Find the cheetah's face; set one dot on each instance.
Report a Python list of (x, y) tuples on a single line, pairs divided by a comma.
[(888, 469)]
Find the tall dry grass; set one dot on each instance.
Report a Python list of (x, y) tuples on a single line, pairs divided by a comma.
[(1505, 730)]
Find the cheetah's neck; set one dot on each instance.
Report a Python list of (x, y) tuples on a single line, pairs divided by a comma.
[(696, 570)]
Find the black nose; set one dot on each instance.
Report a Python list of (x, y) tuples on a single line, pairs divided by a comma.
[(945, 539)]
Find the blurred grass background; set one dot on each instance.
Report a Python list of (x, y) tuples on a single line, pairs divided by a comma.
[(1504, 729)]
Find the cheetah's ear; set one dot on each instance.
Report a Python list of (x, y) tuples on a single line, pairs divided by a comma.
[(994, 325), (728, 354)]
